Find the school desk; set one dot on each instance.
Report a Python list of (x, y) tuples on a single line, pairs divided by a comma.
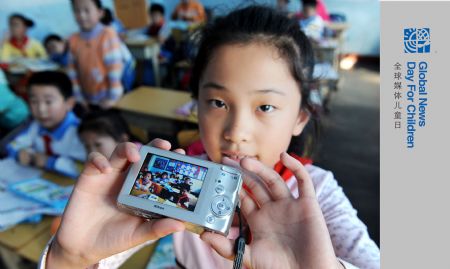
[(29, 240), (153, 109), (146, 49)]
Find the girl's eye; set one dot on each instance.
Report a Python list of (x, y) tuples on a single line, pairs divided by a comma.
[(266, 108), (217, 103)]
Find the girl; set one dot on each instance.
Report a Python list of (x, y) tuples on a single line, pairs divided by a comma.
[(19, 45), (102, 131), (249, 79), (95, 60)]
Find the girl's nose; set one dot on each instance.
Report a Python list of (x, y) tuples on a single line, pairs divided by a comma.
[(238, 128)]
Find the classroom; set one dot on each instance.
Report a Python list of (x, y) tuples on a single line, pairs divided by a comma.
[(86, 84)]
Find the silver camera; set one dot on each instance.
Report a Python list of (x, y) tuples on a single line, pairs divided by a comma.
[(167, 184)]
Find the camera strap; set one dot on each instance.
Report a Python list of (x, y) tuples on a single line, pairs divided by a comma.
[(239, 245)]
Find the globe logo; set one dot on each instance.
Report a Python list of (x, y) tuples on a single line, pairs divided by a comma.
[(416, 40)]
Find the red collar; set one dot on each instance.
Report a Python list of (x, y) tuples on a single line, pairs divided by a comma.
[(285, 173), (19, 44)]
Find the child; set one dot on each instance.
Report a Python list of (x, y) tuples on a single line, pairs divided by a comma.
[(101, 131), (250, 75), (190, 11), (51, 140), (95, 60), (57, 49), (19, 45), (158, 28), (13, 109), (144, 183), (128, 73), (311, 23)]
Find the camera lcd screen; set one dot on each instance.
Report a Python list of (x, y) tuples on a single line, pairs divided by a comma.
[(168, 181)]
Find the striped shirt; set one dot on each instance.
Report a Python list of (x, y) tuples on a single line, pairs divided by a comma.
[(96, 65)]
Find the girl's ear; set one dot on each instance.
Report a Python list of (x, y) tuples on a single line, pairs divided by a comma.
[(302, 120)]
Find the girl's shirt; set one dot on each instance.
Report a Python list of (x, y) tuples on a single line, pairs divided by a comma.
[(96, 65), (28, 48), (349, 235)]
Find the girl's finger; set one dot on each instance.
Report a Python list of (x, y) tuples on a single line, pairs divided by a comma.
[(225, 247), (305, 185), (160, 143), (155, 229), (181, 151), (248, 205), (273, 182), (123, 155), (97, 163)]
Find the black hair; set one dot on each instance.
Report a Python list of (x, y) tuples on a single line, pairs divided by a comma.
[(52, 37), (310, 3), (107, 17), (265, 25), (28, 22), (97, 3), (105, 122), (156, 8), (52, 78)]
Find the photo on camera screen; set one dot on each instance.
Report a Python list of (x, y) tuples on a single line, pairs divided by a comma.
[(170, 182)]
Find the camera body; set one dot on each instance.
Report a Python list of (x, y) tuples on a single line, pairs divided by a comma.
[(168, 184)]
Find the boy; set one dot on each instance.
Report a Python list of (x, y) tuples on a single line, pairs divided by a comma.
[(311, 23), (57, 49), (158, 28), (50, 141)]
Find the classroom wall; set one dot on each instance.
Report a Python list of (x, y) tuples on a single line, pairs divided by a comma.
[(362, 37)]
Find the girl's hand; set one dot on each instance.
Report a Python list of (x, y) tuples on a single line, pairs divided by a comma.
[(287, 232), (92, 227)]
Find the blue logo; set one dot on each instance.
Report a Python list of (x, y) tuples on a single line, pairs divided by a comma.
[(416, 40)]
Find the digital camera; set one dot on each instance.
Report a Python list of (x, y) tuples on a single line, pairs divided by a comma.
[(168, 184)]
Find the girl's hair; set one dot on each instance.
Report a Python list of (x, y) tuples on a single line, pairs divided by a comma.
[(28, 22), (97, 3), (263, 25), (107, 17), (107, 123)]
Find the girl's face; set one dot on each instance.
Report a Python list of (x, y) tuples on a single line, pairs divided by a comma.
[(17, 27), (99, 143), (87, 14), (249, 104)]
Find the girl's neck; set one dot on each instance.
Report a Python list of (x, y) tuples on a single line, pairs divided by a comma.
[(88, 34)]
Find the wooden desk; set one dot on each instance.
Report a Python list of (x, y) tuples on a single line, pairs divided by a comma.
[(29, 240), (146, 49), (153, 109)]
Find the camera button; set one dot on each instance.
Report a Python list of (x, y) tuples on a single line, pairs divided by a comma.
[(220, 189), (210, 219), (221, 206)]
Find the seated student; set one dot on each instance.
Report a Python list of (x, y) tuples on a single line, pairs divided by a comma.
[(190, 11), (312, 24), (158, 28), (57, 49), (95, 60), (144, 183), (183, 199), (13, 109), (51, 140), (19, 45), (102, 131)]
